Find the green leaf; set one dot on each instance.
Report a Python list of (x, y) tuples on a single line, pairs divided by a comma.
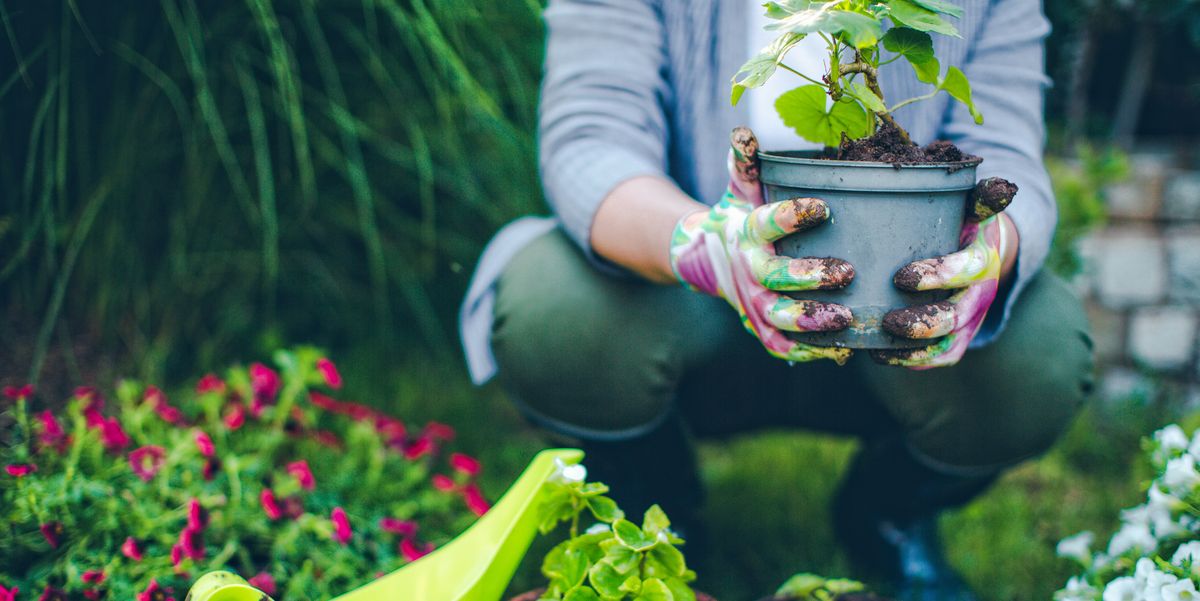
[(670, 558), (866, 97), (917, 48), (940, 6), (654, 589), (632, 585), (553, 563), (606, 580), (554, 507), (762, 66), (858, 29), (908, 14), (592, 489), (581, 593), (955, 83), (804, 110), (605, 509), (680, 590), (575, 567), (655, 520), (592, 544), (622, 558), (631, 536), (800, 586)]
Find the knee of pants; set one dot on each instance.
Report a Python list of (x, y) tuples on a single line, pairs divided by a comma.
[(572, 347)]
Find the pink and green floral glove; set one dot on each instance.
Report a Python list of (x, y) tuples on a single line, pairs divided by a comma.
[(974, 274), (729, 252)]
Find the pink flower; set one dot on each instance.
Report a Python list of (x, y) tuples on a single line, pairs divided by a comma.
[(264, 582), (8, 594), (52, 435), (475, 501), (204, 443), (404, 528), (270, 504), (191, 542), (18, 392), (210, 469), (341, 525), (176, 555), (465, 464), (330, 372), (154, 592), (130, 549), (412, 552), (112, 436), (51, 593), (236, 416), (443, 482), (169, 414), (52, 532), (299, 470), (418, 448), (439, 431), (264, 382), (93, 576), (210, 383), (146, 461), (93, 594), (197, 518), (18, 470)]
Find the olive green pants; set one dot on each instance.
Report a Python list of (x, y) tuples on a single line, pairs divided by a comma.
[(600, 357)]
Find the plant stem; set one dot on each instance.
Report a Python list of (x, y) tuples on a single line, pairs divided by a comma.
[(912, 100), (871, 76), (787, 68)]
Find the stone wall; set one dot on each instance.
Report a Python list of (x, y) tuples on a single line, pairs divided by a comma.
[(1141, 278)]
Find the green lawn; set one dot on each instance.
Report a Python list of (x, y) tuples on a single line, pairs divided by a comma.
[(768, 491)]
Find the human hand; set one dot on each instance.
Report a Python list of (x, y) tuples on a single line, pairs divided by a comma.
[(728, 251), (974, 272)]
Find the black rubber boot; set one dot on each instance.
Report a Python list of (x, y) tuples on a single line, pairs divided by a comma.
[(885, 515)]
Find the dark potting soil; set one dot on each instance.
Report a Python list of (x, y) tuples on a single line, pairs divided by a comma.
[(887, 145)]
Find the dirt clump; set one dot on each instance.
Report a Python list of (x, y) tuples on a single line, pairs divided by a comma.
[(888, 145)]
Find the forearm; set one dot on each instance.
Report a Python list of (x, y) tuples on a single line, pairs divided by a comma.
[(634, 224)]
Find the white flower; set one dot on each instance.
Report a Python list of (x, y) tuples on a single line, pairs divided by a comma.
[(568, 473), (1155, 582), (1078, 547), (1160, 511), (1181, 476), (1182, 590), (1135, 535), (1123, 589), (1171, 439), (1187, 551), (598, 527), (1194, 446), (1077, 589)]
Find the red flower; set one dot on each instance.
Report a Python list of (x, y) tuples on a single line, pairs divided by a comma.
[(390, 428), (18, 392), (211, 466), (464, 464), (52, 532), (112, 436), (264, 582), (191, 542), (93, 594), (439, 431), (9, 594), (299, 470), (270, 504), (154, 592), (418, 448), (88, 393), (264, 382), (146, 461), (412, 552), (176, 556), (93, 576), (325, 402), (210, 383), (443, 482), (236, 416), (204, 443), (130, 549), (169, 414), (341, 525), (52, 435), (404, 528), (18, 470), (197, 516), (475, 501), (330, 372), (53, 594)]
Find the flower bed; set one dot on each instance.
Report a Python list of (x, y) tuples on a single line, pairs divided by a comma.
[(258, 470)]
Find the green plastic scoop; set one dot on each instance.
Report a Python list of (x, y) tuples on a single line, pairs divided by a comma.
[(475, 566)]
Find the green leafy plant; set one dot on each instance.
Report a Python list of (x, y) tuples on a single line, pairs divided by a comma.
[(846, 100), (615, 559), (258, 470), (1079, 186), (811, 587)]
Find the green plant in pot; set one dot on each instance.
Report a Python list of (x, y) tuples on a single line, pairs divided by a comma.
[(892, 202), (613, 560)]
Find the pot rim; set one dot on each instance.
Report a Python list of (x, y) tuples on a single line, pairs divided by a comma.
[(791, 156)]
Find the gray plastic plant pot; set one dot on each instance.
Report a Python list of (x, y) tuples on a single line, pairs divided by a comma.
[(882, 217)]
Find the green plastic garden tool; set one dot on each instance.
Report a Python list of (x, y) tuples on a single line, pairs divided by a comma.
[(475, 566)]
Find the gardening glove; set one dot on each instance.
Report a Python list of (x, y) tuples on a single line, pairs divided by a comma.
[(974, 274), (729, 252)]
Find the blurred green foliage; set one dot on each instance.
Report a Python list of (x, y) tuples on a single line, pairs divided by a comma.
[(181, 176), (1079, 188)]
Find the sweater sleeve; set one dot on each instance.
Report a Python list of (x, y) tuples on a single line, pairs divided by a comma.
[(1006, 69), (601, 119)]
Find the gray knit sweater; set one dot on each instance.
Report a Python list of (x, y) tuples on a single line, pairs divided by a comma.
[(641, 87)]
